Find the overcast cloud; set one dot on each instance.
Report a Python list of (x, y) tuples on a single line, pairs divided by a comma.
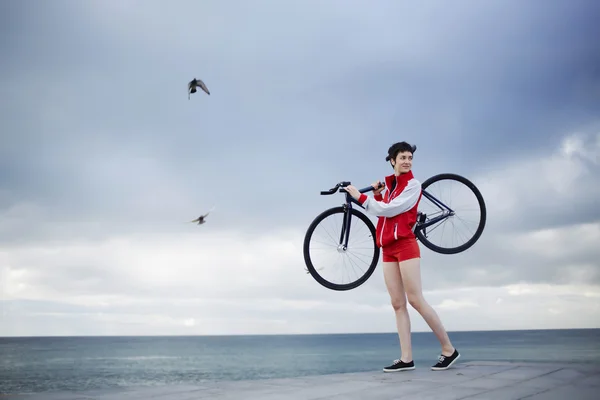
[(103, 159)]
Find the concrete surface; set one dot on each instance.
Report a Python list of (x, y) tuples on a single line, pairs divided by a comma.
[(469, 380)]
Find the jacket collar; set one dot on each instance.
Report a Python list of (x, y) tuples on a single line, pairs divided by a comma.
[(400, 179)]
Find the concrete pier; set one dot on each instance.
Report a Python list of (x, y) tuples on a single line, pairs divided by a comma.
[(469, 380)]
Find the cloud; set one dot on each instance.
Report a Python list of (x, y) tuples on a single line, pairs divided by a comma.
[(542, 224), (557, 189), (282, 105), (103, 165), (218, 280), (451, 304), (534, 307)]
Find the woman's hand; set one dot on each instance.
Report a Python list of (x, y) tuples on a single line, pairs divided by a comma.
[(353, 191), (376, 186), (356, 194)]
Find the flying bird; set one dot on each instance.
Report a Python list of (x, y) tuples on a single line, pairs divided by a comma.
[(202, 219), (196, 83)]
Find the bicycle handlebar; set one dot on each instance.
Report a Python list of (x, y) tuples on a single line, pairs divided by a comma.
[(343, 184)]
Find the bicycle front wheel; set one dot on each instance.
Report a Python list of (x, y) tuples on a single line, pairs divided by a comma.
[(454, 209), (326, 259)]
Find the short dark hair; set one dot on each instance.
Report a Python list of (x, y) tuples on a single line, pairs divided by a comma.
[(399, 147)]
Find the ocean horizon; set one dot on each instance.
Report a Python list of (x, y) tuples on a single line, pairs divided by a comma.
[(300, 334), (34, 364)]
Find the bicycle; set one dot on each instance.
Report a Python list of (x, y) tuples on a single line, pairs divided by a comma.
[(423, 228)]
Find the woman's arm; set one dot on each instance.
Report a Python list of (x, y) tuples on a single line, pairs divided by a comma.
[(404, 202)]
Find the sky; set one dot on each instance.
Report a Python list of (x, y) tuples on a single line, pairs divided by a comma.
[(104, 160)]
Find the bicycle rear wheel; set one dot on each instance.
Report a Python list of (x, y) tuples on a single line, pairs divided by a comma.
[(325, 258), (449, 210)]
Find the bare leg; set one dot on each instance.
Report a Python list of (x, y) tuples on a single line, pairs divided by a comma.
[(393, 282), (411, 278)]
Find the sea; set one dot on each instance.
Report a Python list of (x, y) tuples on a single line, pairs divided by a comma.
[(48, 364)]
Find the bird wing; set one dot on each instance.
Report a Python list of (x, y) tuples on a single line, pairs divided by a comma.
[(203, 86), (209, 211)]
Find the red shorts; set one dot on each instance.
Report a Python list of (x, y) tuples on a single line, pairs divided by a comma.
[(402, 250)]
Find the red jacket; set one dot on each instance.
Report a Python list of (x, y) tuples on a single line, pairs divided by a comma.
[(397, 210)]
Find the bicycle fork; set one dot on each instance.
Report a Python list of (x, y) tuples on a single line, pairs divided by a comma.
[(345, 233)]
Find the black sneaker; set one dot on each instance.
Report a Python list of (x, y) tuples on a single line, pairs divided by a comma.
[(400, 365), (446, 361)]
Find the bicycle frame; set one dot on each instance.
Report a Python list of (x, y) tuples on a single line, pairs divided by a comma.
[(345, 234), (421, 224)]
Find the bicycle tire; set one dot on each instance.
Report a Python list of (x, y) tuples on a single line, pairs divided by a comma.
[(480, 227), (306, 250)]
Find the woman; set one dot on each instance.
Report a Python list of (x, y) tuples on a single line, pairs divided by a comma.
[(397, 213)]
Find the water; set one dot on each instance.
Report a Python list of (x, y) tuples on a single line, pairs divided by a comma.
[(39, 364)]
